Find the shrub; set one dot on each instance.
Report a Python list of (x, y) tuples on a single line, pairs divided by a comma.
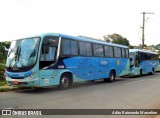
[(2, 77)]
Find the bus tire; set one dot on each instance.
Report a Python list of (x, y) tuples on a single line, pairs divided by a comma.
[(140, 73), (152, 73), (112, 76), (65, 81)]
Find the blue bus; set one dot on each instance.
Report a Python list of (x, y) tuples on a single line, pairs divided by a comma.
[(58, 59), (143, 62), (159, 66)]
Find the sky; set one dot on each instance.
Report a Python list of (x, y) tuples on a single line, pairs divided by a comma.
[(92, 18)]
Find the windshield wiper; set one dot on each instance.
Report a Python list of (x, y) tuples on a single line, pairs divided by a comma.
[(18, 53), (9, 53), (17, 56)]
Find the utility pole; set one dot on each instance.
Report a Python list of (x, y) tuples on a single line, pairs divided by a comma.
[(144, 27)]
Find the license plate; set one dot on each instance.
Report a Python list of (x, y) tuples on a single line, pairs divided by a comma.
[(15, 82)]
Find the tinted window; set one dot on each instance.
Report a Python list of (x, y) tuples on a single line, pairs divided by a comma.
[(144, 56), (74, 48), (89, 49), (127, 53), (50, 56), (148, 56), (123, 53), (153, 57), (85, 49), (117, 52), (69, 47), (98, 50), (66, 46), (108, 51)]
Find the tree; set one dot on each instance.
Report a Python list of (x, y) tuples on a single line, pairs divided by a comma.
[(5, 43), (117, 39), (3, 57), (158, 48), (107, 38)]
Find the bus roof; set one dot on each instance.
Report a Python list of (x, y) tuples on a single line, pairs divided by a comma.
[(79, 39), (91, 40), (142, 50)]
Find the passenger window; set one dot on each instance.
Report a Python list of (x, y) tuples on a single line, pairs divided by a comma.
[(69, 47), (117, 52), (123, 53), (98, 50), (108, 51), (85, 48)]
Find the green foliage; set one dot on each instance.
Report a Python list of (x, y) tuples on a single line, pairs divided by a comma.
[(2, 61), (131, 47), (2, 83), (2, 77), (2, 68), (117, 39), (6, 43), (3, 57), (158, 48)]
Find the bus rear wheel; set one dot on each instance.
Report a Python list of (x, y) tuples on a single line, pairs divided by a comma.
[(152, 73), (111, 77), (65, 81), (140, 73)]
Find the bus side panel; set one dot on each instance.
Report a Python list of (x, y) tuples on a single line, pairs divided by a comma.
[(156, 64), (80, 67), (83, 69), (46, 77), (148, 65), (87, 68), (51, 77), (134, 71), (125, 68)]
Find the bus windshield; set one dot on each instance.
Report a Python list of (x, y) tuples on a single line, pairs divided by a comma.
[(22, 53)]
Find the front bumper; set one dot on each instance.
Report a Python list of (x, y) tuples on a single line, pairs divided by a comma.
[(23, 82)]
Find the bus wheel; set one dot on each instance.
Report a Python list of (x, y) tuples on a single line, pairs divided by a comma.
[(65, 81), (140, 73), (111, 76), (152, 73)]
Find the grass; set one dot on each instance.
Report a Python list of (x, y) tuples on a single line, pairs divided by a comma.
[(2, 83), (4, 89), (8, 89)]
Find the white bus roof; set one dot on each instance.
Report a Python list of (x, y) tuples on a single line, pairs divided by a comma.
[(92, 40), (80, 39), (142, 50)]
